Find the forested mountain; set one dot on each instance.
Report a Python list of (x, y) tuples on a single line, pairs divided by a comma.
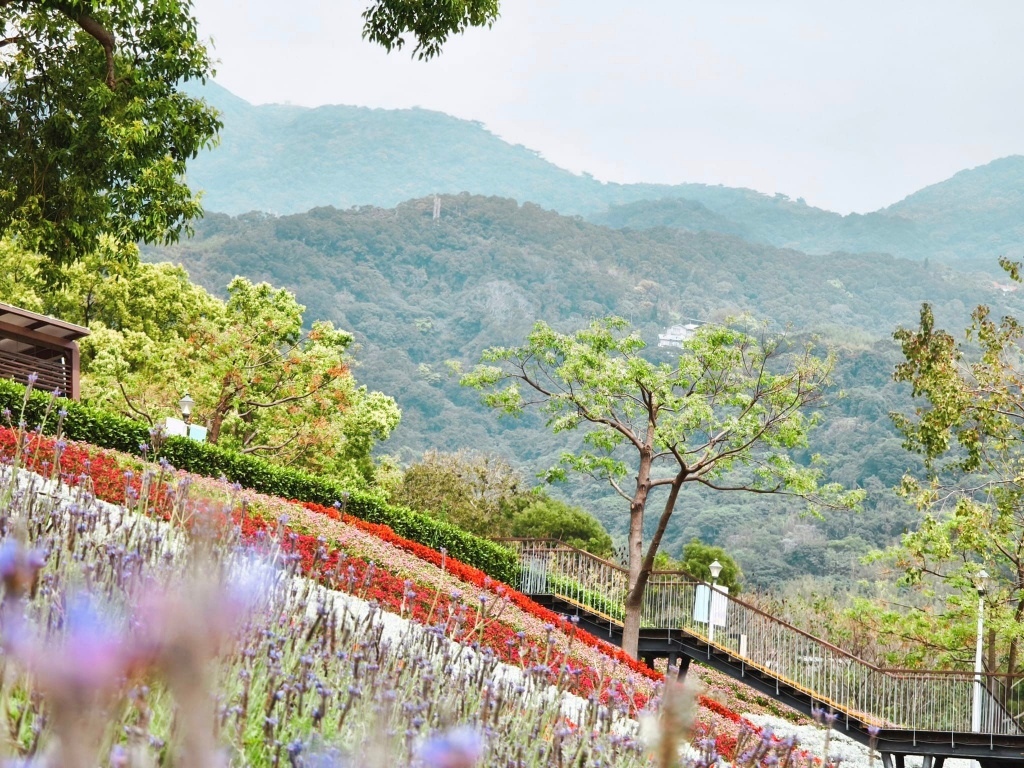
[(418, 292), (971, 218), (286, 159)]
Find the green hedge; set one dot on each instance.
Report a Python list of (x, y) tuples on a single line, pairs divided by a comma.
[(111, 431)]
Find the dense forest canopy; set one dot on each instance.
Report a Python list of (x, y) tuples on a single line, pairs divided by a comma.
[(418, 292)]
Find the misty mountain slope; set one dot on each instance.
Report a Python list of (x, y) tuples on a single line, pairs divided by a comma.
[(970, 219), (287, 159)]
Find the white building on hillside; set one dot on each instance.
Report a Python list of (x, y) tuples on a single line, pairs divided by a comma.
[(677, 334)]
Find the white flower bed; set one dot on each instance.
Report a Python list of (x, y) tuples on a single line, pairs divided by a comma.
[(853, 753)]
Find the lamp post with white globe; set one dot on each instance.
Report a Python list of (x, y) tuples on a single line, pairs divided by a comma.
[(185, 404), (716, 569)]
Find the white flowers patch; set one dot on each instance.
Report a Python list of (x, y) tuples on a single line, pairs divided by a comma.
[(853, 753)]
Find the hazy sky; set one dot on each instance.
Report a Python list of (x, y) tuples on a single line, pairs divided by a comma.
[(850, 105)]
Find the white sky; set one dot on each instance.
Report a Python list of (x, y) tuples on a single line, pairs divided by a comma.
[(850, 105)]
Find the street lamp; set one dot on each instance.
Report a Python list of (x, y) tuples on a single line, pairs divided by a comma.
[(716, 569), (185, 404), (980, 583)]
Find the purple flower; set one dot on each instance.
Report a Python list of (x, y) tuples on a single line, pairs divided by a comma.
[(18, 567), (93, 655), (32, 378), (458, 748)]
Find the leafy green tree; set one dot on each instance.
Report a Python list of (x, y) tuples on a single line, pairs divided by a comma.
[(548, 518), (725, 416), (20, 280), (698, 557), (95, 130), (261, 383), (112, 288), (388, 22), (478, 492), (969, 425)]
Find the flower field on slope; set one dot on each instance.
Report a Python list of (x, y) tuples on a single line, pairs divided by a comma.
[(401, 576)]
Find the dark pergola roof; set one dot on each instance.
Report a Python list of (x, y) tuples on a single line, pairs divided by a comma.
[(48, 326), (46, 346)]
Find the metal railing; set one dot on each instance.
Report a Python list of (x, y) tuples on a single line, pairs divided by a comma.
[(836, 679)]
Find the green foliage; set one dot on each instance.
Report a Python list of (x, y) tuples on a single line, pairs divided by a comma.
[(698, 557), (261, 382), (729, 406), (485, 495), (110, 431), (20, 280), (548, 518), (430, 24), (968, 424), (479, 493), (724, 414), (95, 130)]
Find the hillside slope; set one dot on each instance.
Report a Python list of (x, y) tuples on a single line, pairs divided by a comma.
[(418, 292)]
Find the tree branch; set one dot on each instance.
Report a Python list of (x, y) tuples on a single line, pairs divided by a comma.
[(101, 34), (131, 407), (268, 448)]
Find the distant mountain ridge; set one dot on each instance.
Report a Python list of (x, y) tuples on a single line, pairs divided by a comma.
[(286, 159)]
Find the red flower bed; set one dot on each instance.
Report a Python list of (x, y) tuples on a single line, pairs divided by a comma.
[(105, 470), (461, 621), (480, 579)]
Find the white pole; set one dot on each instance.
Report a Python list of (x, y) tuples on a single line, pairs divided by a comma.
[(711, 605), (976, 708)]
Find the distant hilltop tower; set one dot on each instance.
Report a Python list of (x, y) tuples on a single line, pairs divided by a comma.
[(437, 207)]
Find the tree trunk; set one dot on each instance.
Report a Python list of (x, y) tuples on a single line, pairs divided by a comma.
[(635, 547), (637, 586), (631, 625)]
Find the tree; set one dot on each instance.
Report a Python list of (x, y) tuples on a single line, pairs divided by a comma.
[(548, 518), (725, 416), (20, 282), (480, 493), (261, 382), (698, 557), (484, 494), (387, 22), (969, 427), (95, 130)]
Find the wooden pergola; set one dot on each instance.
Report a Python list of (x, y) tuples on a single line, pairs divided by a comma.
[(33, 343)]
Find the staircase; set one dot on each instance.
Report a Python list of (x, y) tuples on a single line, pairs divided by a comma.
[(899, 711)]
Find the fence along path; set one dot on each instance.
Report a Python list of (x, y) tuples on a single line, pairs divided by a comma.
[(887, 698)]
